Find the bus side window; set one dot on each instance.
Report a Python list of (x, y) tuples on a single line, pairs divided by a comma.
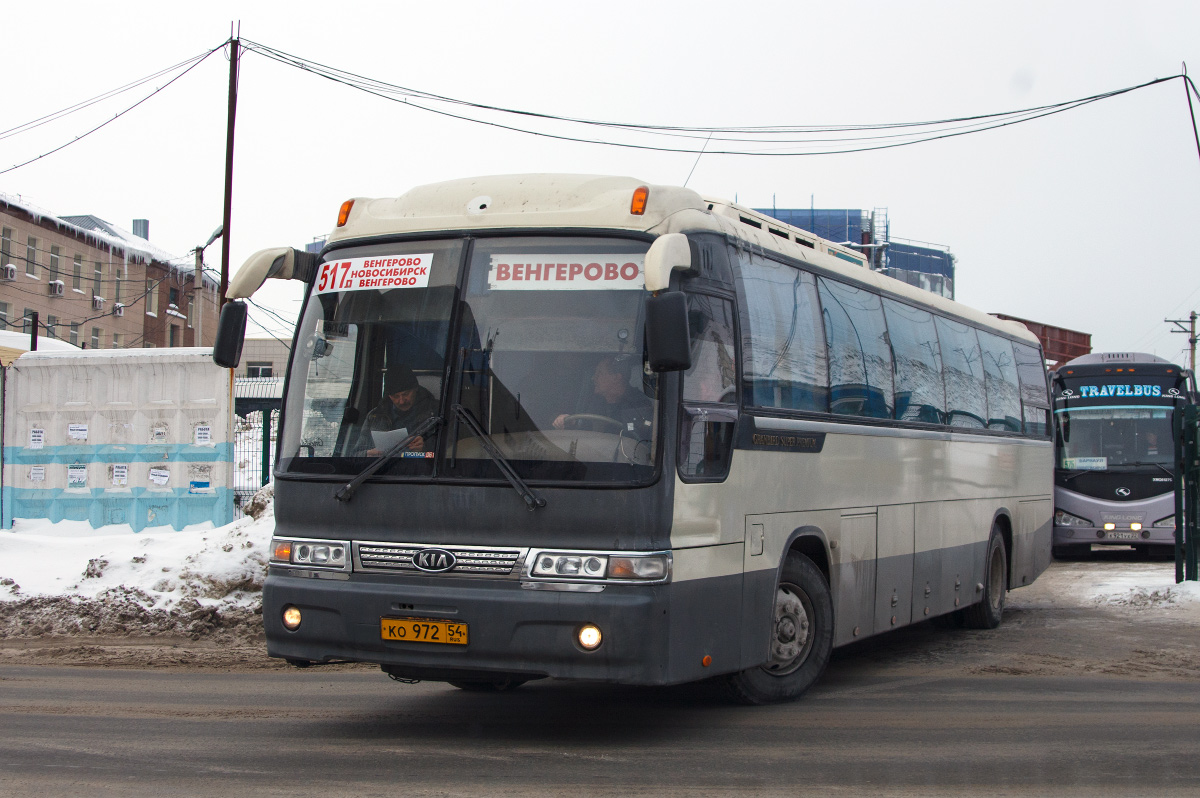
[(1031, 371), (709, 391)]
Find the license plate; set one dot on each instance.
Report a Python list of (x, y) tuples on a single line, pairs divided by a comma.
[(1124, 535), (423, 630)]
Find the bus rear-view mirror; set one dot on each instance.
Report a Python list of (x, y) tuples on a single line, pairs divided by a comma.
[(231, 332), (668, 344)]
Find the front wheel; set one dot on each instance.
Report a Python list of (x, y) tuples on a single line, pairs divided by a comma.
[(988, 612), (801, 637)]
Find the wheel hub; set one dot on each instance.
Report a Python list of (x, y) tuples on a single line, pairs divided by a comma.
[(791, 638)]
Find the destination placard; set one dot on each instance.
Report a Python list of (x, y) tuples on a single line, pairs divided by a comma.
[(554, 272), (379, 273)]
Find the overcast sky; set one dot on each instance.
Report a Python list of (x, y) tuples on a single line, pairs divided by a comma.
[(1083, 220)]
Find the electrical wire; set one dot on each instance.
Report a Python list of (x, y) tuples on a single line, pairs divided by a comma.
[(84, 104), (113, 119), (923, 131)]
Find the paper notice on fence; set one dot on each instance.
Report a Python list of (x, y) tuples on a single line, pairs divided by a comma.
[(386, 440), (203, 436), (37, 473), (77, 432), (160, 476), (77, 475), (121, 474), (37, 438)]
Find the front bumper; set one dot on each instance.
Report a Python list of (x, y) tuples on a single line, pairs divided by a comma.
[(512, 630), (1083, 535)]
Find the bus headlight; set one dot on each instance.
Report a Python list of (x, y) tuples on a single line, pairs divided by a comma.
[(333, 554), (1165, 523), (588, 566), (1063, 518), (600, 566)]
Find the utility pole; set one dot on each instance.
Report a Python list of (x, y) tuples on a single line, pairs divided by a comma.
[(1190, 330), (33, 332), (233, 81)]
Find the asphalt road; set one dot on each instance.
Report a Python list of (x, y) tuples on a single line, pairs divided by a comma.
[(1058, 701)]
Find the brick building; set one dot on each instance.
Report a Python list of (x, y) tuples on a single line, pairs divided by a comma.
[(97, 285)]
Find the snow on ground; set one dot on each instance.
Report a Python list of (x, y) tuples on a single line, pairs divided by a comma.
[(69, 578)]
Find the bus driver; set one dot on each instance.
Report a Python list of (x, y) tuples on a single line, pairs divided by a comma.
[(613, 398), (405, 405)]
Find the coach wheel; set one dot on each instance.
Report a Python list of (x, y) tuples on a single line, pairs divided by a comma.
[(801, 637), (990, 609)]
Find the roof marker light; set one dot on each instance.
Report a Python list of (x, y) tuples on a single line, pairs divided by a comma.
[(640, 195), (344, 213)]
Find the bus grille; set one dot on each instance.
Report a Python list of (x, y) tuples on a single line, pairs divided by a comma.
[(469, 560)]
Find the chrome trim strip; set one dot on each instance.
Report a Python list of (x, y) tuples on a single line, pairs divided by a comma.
[(884, 431)]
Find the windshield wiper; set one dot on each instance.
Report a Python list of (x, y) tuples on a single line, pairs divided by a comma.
[(532, 500), (1135, 463), (347, 491)]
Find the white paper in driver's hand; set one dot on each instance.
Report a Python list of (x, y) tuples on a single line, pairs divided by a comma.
[(385, 440)]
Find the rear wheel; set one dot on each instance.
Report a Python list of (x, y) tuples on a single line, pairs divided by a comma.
[(801, 637), (988, 612)]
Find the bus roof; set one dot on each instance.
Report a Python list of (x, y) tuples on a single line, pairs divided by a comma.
[(599, 202)]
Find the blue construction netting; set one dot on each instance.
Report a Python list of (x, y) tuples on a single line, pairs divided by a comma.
[(836, 225)]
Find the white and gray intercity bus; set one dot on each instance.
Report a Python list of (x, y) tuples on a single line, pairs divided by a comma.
[(1114, 480), (581, 427)]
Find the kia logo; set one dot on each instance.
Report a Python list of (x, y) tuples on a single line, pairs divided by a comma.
[(1123, 491), (434, 560)]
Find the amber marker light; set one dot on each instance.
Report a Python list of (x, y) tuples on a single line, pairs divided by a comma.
[(281, 551), (291, 618), (706, 661), (590, 637), (640, 195), (344, 213)]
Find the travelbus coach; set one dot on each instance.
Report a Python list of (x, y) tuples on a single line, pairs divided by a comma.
[(1114, 477), (585, 427)]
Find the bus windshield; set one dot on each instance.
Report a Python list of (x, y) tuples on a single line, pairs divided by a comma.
[(1101, 438), (540, 347)]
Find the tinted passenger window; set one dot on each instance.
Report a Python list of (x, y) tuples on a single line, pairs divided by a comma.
[(962, 365), (920, 395), (1000, 376), (785, 364), (1031, 371), (860, 361)]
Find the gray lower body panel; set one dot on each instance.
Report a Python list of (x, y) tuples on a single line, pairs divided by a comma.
[(653, 634)]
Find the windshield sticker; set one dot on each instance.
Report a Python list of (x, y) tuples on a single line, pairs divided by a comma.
[(546, 272), (375, 273), (1085, 463)]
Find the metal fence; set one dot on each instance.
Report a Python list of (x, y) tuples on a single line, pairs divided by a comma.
[(256, 427)]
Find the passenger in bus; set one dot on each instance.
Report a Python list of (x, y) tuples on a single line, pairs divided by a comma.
[(405, 404), (613, 398)]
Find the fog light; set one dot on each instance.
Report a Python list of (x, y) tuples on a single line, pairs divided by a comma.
[(291, 618), (589, 636), (1099, 533), (1145, 534)]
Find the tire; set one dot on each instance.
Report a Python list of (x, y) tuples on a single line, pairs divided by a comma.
[(988, 612), (500, 686), (801, 638)]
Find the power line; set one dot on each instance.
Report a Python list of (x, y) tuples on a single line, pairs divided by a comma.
[(114, 118), (929, 131), (79, 106)]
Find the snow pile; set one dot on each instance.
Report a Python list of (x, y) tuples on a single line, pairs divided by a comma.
[(1139, 590), (68, 578)]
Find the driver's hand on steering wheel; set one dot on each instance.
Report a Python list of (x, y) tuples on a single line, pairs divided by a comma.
[(561, 421)]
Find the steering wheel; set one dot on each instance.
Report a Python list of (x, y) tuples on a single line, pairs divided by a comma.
[(617, 425)]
